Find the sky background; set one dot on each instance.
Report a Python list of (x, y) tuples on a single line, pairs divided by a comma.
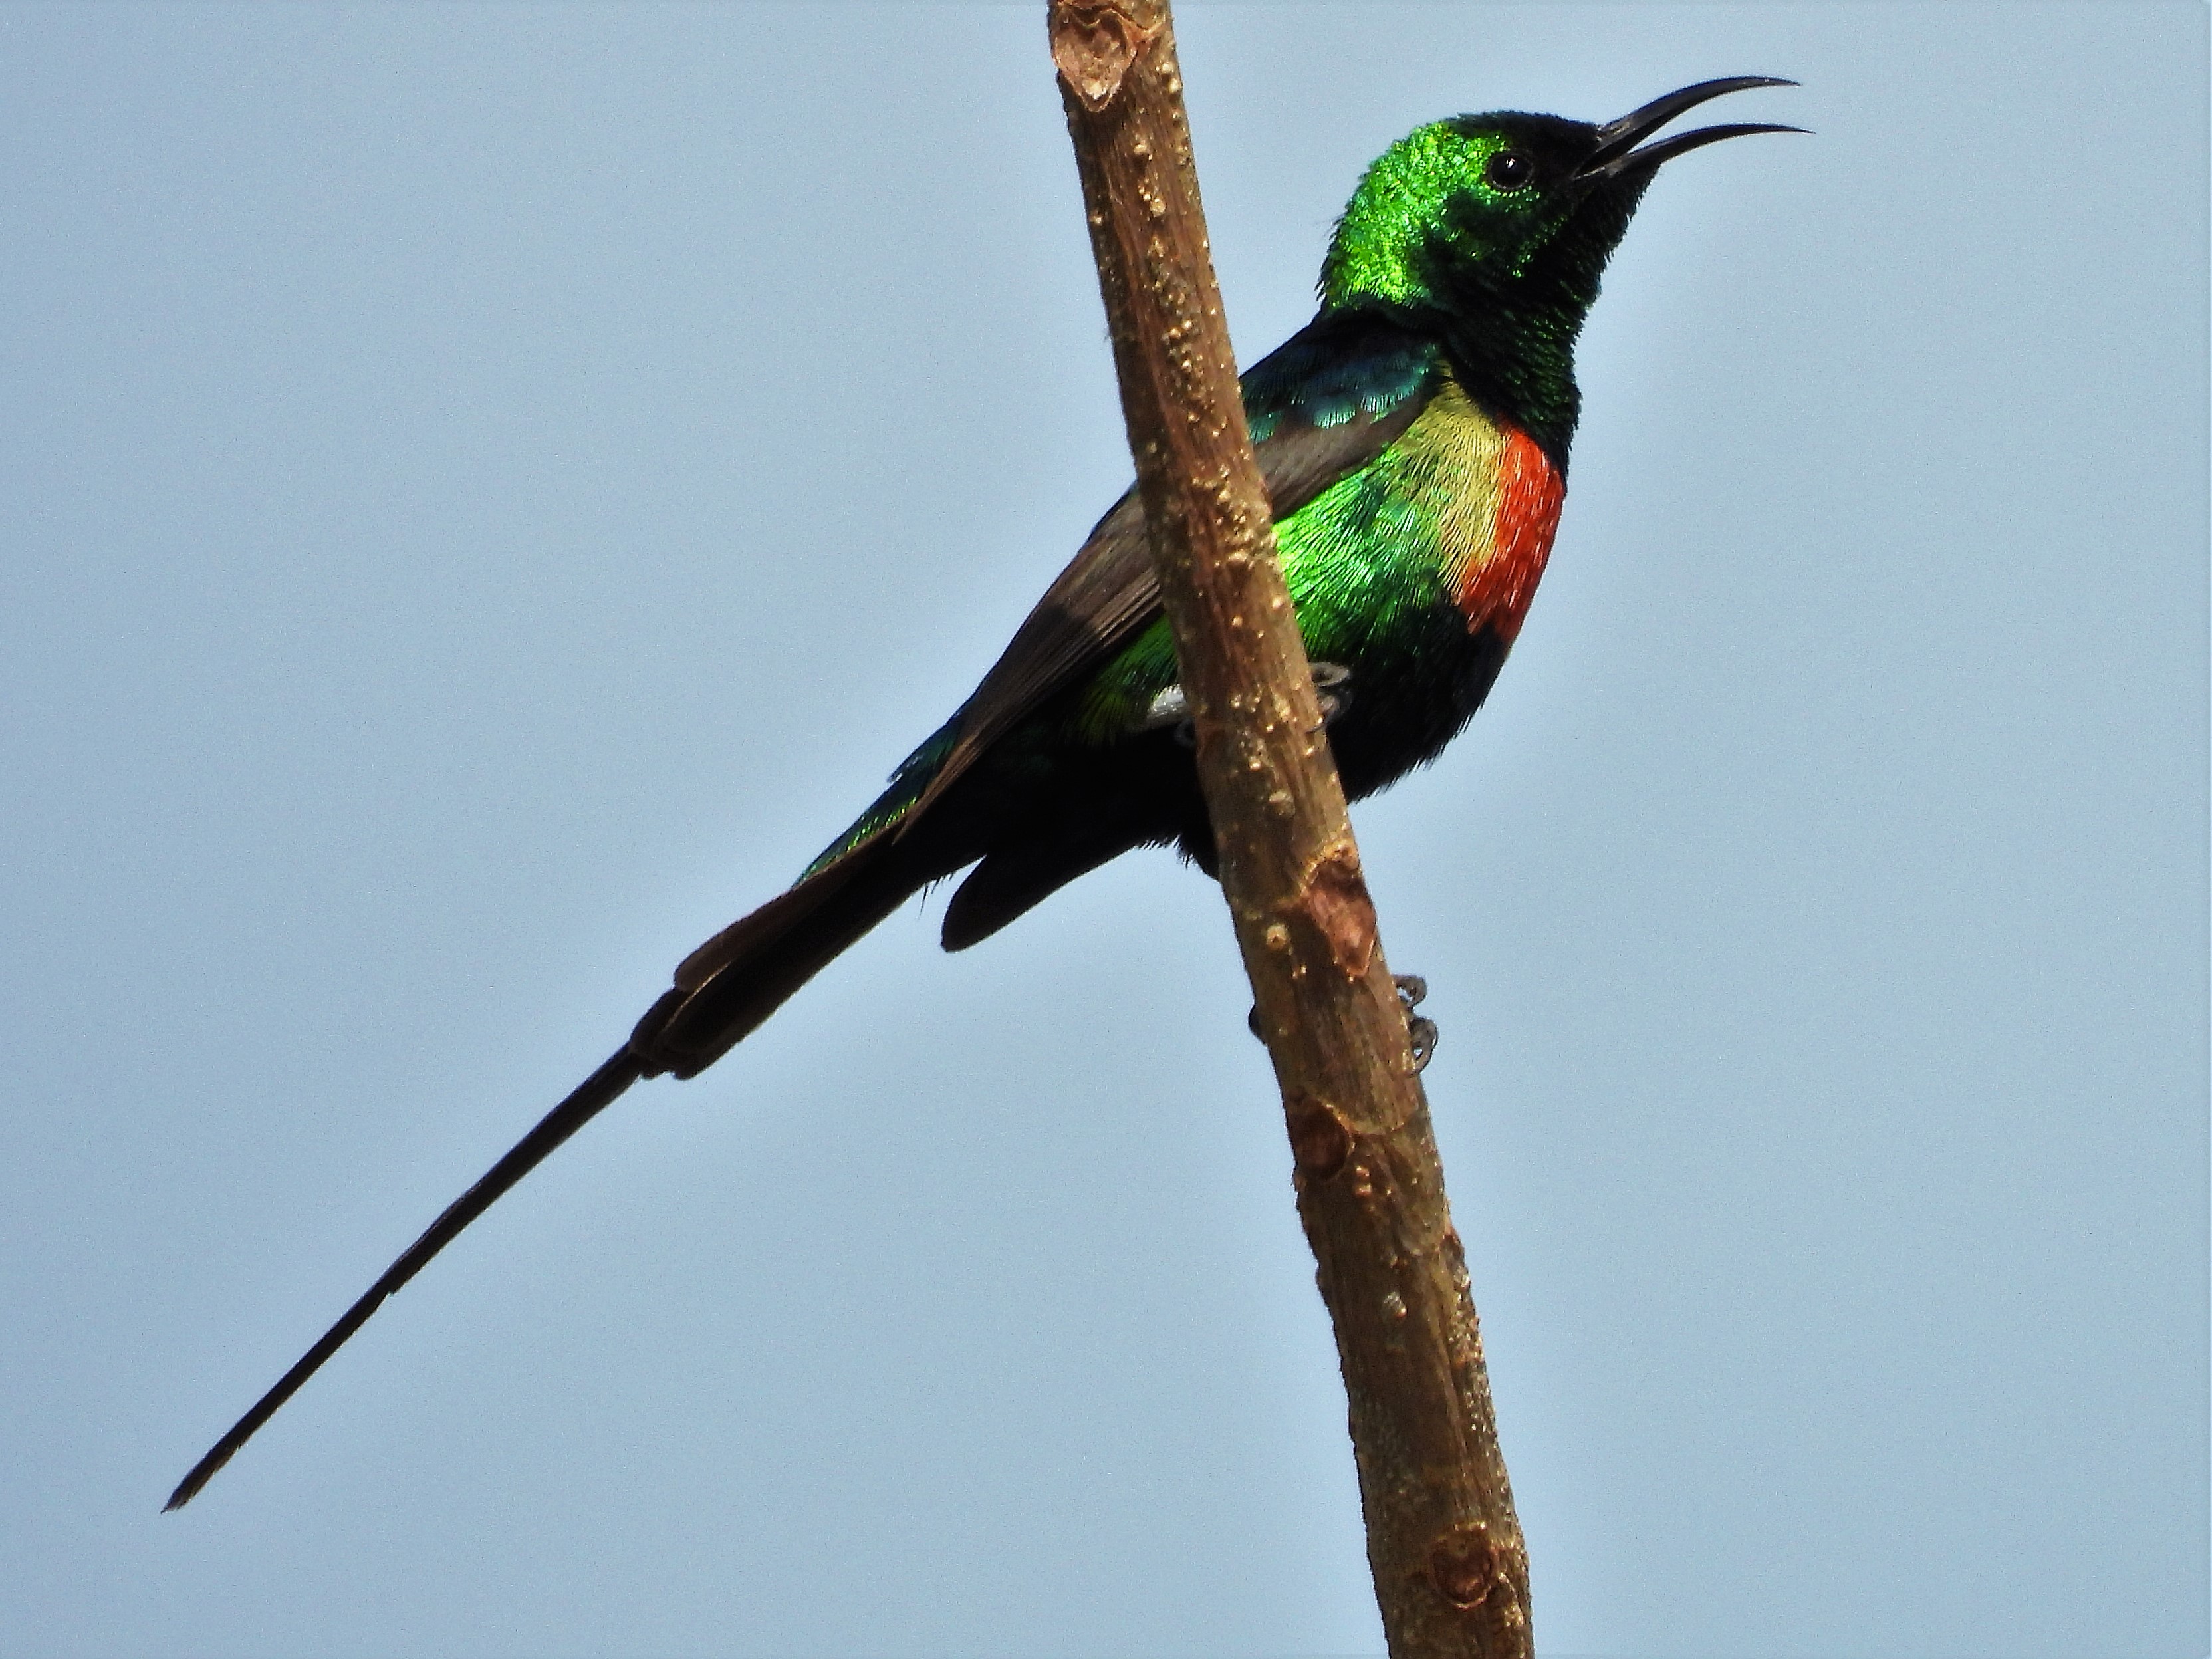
[(487, 491)]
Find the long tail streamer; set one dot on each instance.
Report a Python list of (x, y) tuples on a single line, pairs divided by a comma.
[(597, 1092)]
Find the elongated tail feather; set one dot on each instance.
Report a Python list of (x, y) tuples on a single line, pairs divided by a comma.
[(724, 990), (597, 1092)]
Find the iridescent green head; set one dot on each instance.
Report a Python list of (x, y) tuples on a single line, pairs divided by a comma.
[(1503, 223)]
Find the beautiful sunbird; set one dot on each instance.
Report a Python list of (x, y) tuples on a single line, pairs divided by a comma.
[(1413, 441)]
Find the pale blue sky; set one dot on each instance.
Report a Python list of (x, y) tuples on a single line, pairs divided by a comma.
[(487, 491)]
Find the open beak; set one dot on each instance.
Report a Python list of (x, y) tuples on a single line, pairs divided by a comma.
[(1616, 152)]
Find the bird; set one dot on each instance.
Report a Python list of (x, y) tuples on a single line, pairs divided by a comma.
[(1413, 438)]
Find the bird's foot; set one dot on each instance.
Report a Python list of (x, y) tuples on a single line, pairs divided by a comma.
[(1420, 1030), (1333, 688), (1168, 706)]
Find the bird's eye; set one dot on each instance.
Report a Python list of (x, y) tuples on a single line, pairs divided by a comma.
[(1509, 169)]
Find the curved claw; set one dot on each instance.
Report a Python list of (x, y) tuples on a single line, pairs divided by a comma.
[(1422, 1033), (1332, 689)]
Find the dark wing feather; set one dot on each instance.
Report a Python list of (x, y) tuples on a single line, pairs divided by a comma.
[(1322, 406)]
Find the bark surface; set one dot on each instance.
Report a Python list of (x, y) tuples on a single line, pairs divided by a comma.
[(1450, 1570)]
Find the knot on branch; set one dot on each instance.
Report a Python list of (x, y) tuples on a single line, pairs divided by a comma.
[(1332, 901), (1321, 1141), (1094, 44), (1470, 1570)]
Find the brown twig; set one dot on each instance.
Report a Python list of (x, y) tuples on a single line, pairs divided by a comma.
[(1450, 1570)]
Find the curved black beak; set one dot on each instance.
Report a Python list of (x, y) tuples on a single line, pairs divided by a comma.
[(1616, 152)]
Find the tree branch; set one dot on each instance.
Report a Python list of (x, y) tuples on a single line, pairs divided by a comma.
[(1450, 1570)]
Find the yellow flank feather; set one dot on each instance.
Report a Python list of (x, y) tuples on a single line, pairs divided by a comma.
[(1448, 464)]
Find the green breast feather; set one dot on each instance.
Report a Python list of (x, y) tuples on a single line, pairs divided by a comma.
[(1367, 561)]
